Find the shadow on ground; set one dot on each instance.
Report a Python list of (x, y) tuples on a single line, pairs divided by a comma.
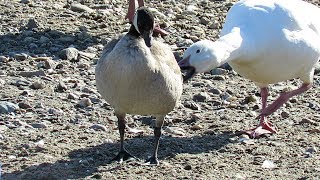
[(85, 162), (46, 41)]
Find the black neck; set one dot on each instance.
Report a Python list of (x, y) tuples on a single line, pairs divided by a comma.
[(133, 31)]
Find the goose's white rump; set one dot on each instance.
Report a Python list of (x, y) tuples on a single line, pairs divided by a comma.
[(266, 41)]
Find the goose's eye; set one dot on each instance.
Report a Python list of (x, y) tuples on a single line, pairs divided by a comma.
[(198, 51)]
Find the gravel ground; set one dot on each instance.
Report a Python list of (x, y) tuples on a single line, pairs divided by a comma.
[(54, 125)]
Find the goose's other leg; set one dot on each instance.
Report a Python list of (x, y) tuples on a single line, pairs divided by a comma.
[(131, 10), (153, 160), (283, 98), (265, 127), (123, 155)]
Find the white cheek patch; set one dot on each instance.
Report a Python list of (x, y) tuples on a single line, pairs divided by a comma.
[(135, 22)]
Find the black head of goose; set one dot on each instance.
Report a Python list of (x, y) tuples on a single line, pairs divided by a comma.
[(138, 75), (143, 25)]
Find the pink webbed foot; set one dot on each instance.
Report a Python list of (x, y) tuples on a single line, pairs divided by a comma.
[(157, 29), (263, 128)]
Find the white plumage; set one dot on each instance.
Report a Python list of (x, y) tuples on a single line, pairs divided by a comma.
[(266, 41)]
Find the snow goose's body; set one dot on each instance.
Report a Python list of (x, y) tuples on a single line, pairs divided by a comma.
[(139, 76), (266, 41)]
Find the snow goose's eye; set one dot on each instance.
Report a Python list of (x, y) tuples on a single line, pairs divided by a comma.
[(198, 51)]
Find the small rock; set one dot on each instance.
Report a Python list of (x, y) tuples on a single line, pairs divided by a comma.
[(215, 91), (246, 140), (76, 7), (175, 130), (70, 54), (61, 87), (218, 78), (55, 111), (187, 167), (39, 125), (204, 20), (218, 71), (268, 164), (3, 59), (87, 90), (196, 127), (21, 56), (32, 24), (7, 107), (312, 150), (85, 102), (201, 97), (24, 105), (191, 105), (39, 143), (251, 98), (214, 24), (284, 114), (308, 121), (38, 85), (72, 96), (32, 73), (98, 127), (2, 73), (44, 40)]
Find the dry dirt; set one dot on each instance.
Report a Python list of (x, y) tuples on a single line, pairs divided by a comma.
[(63, 130)]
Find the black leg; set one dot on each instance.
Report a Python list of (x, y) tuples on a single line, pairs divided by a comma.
[(153, 160), (123, 155)]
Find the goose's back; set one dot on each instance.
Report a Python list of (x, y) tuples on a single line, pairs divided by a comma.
[(281, 39), (135, 79)]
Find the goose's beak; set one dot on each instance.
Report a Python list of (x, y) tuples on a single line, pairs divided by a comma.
[(187, 70), (147, 36)]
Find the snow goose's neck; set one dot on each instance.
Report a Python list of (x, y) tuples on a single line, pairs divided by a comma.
[(226, 48)]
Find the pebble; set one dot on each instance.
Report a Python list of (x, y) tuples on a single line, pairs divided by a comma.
[(7, 107), (85, 102), (285, 114), (192, 105), (61, 87), (72, 96), (32, 24), (76, 7), (98, 127), (32, 73), (70, 54), (3, 59), (218, 71), (55, 111), (310, 151), (175, 131), (196, 127), (244, 139), (268, 164), (24, 105), (308, 121), (39, 125), (218, 78), (201, 97), (215, 91), (250, 98), (38, 85), (21, 56)]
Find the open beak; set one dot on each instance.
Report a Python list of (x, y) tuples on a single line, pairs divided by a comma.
[(188, 71)]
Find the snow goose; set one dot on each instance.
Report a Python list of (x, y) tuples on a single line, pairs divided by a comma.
[(138, 76), (266, 41)]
